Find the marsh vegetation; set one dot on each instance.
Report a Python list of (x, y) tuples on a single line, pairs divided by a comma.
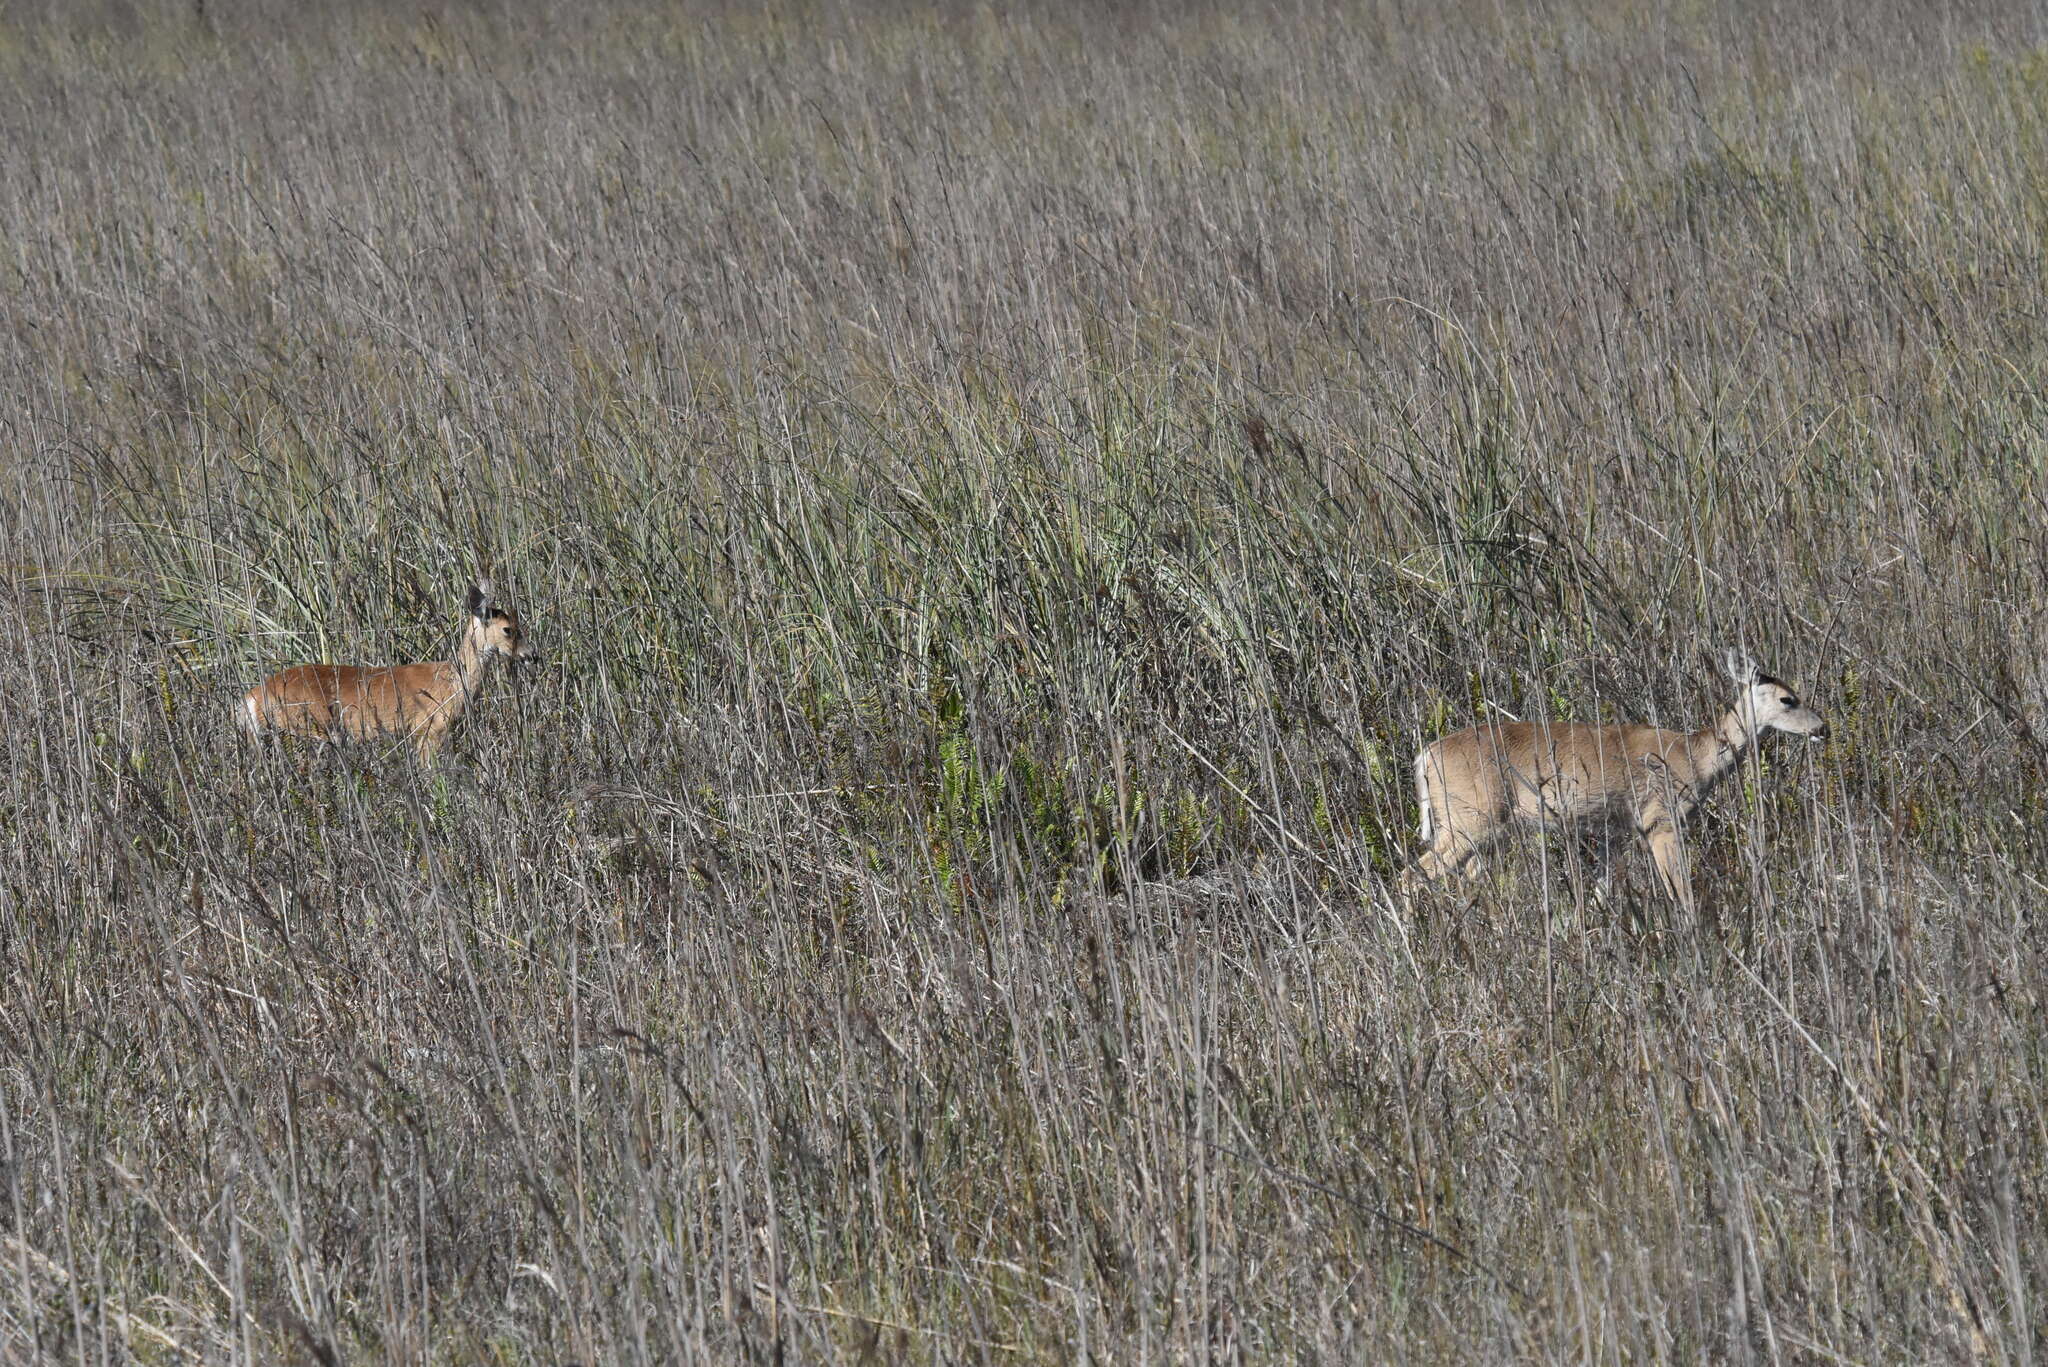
[(1004, 493)]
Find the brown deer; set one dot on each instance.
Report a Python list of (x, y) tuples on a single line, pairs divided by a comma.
[(1476, 785), (417, 702)]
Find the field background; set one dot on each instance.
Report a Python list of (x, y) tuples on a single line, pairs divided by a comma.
[(1004, 491)]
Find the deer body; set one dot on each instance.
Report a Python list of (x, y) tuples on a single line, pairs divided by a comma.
[(417, 702), (1476, 785)]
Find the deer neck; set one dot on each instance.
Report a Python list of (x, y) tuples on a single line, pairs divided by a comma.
[(1720, 747), (471, 664)]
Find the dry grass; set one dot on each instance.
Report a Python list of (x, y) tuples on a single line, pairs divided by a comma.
[(1004, 495)]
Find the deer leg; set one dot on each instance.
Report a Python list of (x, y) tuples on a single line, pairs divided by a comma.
[(1660, 832), (1445, 858), (428, 741), (1450, 855)]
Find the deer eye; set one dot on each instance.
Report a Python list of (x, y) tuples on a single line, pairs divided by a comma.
[(1788, 701)]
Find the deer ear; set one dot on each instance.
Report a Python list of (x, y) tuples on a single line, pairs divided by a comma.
[(480, 600), (1740, 667)]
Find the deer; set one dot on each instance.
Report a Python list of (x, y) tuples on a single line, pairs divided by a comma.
[(1476, 785), (417, 702)]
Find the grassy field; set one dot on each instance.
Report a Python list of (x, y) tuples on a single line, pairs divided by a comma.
[(1004, 492)]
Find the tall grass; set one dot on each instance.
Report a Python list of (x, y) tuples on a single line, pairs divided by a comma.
[(1004, 492)]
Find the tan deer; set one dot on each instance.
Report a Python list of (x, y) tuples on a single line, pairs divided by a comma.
[(1475, 786), (419, 702)]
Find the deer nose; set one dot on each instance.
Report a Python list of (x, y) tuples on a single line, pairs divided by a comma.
[(1821, 734)]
